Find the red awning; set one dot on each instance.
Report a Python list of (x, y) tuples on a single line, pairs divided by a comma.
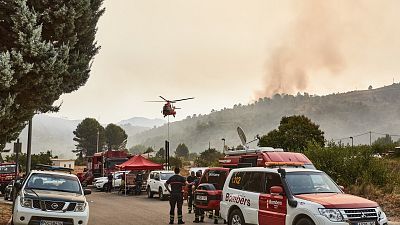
[(138, 162)]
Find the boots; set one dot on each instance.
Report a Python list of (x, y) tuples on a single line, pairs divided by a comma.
[(181, 222)]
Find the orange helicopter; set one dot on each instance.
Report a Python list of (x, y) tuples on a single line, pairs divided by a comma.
[(169, 108)]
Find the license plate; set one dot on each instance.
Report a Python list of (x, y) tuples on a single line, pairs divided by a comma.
[(365, 223), (50, 222), (201, 198)]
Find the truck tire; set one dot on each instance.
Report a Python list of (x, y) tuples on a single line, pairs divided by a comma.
[(149, 193), (305, 221), (236, 218)]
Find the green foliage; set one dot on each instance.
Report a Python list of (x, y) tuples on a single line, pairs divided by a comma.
[(80, 161), (193, 156), (41, 158), (174, 161), (115, 137), (86, 136), (384, 144), (209, 157), (148, 150), (294, 133), (160, 153), (182, 151), (46, 49), (138, 149), (350, 166)]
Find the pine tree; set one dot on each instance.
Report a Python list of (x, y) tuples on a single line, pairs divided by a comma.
[(86, 136), (46, 48)]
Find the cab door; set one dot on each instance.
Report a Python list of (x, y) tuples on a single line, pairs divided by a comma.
[(272, 207)]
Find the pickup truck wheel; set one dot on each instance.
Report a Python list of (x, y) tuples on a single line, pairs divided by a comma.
[(236, 218), (149, 193), (305, 221), (161, 194)]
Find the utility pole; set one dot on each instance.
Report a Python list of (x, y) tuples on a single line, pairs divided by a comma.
[(352, 142), (370, 138), (223, 148), (97, 146), (29, 148)]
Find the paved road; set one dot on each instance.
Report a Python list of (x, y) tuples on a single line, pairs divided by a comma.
[(114, 209)]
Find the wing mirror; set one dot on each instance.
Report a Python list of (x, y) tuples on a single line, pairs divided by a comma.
[(87, 192), (276, 190)]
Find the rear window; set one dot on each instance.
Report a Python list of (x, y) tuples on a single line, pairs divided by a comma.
[(215, 177)]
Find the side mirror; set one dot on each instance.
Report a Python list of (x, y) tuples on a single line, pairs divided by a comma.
[(276, 190), (87, 192), (17, 185), (157, 178)]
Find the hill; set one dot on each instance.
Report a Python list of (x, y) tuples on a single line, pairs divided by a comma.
[(339, 115), (56, 134)]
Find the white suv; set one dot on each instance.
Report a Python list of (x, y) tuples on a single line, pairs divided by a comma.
[(51, 198), (155, 184), (293, 196), (101, 182)]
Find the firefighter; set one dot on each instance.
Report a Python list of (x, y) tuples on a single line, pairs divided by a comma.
[(198, 213), (190, 179), (176, 196)]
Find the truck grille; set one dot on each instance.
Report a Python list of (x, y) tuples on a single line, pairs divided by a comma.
[(53, 205), (359, 214)]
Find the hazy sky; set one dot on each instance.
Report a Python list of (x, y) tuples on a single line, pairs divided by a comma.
[(226, 52)]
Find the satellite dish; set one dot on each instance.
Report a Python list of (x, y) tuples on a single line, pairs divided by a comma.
[(242, 136)]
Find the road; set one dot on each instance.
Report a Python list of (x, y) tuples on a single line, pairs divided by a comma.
[(107, 209)]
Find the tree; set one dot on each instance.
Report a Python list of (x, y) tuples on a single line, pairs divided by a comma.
[(148, 150), (138, 149), (294, 133), (86, 136), (41, 158), (182, 151), (193, 156), (209, 157), (46, 49), (160, 153), (115, 137), (384, 144)]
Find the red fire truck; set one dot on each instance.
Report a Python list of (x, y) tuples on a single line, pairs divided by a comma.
[(103, 163), (7, 174)]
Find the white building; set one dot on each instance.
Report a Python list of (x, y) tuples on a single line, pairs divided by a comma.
[(66, 163)]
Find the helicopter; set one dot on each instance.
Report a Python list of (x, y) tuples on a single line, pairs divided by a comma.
[(169, 108)]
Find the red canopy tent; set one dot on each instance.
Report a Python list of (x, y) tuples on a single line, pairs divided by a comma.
[(138, 162)]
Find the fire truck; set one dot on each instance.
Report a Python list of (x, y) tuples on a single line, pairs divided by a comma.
[(103, 163), (7, 174)]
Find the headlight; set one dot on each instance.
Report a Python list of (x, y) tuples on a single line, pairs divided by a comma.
[(26, 202), (80, 207), (332, 214), (381, 214)]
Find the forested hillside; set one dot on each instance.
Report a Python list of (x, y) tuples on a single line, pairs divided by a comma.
[(339, 115)]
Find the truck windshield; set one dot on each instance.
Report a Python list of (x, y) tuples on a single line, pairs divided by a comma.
[(215, 177), (7, 169), (310, 183), (54, 182)]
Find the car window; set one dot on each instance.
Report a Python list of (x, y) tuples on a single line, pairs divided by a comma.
[(166, 176), (156, 176), (151, 175), (215, 177), (254, 182), (272, 179), (236, 180), (54, 182), (311, 183)]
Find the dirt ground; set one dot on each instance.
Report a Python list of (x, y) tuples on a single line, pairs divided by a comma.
[(5, 213)]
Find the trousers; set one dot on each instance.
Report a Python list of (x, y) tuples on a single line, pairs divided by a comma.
[(176, 199)]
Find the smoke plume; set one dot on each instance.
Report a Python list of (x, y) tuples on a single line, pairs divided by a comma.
[(315, 43)]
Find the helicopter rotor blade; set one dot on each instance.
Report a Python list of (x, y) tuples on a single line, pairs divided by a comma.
[(183, 99), (164, 98)]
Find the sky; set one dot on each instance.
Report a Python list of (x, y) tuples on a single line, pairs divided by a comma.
[(227, 52)]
